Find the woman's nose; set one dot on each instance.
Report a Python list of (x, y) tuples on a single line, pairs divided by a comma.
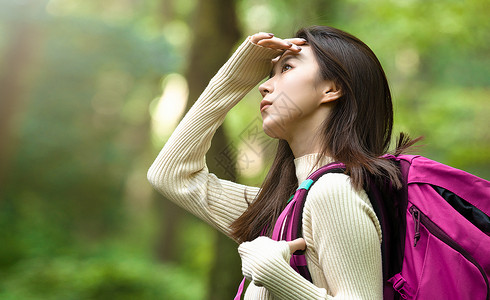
[(265, 88)]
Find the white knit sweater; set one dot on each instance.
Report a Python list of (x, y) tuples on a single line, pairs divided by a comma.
[(342, 233)]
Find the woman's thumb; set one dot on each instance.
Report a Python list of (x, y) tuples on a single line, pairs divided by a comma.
[(297, 244)]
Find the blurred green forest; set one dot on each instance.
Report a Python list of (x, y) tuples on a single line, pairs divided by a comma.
[(90, 91)]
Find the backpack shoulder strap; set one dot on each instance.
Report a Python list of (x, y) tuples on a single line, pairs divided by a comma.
[(302, 193), (289, 226), (290, 218)]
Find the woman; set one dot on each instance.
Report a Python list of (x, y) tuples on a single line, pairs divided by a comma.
[(342, 112)]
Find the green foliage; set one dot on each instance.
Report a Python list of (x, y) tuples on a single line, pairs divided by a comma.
[(77, 137), (84, 123), (114, 277)]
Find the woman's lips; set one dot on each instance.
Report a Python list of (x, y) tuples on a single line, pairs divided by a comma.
[(264, 107), (264, 104)]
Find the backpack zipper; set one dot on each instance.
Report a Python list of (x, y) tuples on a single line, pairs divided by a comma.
[(416, 219), (419, 217)]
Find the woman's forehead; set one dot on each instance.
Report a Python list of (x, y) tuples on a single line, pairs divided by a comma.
[(300, 55), (305, 55)]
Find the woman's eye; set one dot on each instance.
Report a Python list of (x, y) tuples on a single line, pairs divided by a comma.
[(285, 67)]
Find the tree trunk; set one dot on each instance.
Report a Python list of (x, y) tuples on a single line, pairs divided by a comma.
[(18, 62), (216, 32)]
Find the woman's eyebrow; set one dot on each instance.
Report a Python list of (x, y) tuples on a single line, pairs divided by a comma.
[(282, 59)]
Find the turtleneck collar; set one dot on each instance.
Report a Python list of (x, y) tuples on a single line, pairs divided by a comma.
[(305, 165)]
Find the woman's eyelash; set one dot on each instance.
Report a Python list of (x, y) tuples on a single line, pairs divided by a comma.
[(284, 66)]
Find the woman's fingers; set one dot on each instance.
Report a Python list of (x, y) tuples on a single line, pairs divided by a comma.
[(268, 40), (297, 244), (277, 43), (296, 41), (260, 36)]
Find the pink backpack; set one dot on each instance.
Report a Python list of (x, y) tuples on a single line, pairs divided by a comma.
[(436, 230)]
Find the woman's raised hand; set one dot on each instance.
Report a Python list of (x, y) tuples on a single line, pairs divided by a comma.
[(270, 41)]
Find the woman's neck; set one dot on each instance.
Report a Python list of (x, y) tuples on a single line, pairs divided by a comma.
[(303, 146), (304, 141), (304, 138), (306, 164)]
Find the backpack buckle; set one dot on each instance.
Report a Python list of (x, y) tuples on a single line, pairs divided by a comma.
[(401, 286)]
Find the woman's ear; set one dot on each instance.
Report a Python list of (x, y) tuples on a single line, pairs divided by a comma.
[(331, 93)]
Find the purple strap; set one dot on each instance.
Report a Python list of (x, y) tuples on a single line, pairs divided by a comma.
[(240, 290), (282, 218), (291, 217), (295, 208)]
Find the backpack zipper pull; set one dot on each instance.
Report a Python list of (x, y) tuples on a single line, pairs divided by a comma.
[(416, 218)]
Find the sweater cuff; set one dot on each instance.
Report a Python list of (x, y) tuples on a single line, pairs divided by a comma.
[(266, 263)]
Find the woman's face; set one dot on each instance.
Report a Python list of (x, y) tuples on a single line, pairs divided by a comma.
[(292, 94)]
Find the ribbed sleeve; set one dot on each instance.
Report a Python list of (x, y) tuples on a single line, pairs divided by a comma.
[(180, 172)]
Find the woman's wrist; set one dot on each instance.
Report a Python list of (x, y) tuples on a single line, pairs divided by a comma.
[(249, 64)]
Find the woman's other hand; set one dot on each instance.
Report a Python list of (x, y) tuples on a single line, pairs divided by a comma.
[(262, 256), (270, 41), (297, 244)]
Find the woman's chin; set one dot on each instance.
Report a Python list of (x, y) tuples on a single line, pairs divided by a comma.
[(272, 131)]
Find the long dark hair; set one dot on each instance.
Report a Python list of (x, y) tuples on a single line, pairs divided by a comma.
[(356, 132)]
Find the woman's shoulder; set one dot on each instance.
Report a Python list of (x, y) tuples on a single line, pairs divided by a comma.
[(334, 186), (333, 193), (334, 198)]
